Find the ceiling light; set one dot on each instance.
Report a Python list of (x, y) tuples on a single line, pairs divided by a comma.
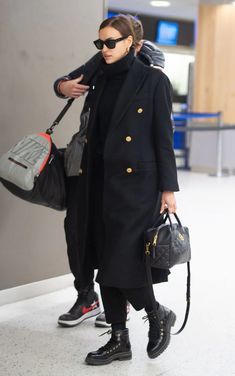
[(156, 3)]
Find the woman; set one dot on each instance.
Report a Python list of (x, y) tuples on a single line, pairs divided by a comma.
[(128, 160), (87, 302)]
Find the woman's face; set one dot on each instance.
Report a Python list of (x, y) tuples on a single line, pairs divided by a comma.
[(111, 55)]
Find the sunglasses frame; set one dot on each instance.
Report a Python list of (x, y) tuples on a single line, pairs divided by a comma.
[(99, 43)]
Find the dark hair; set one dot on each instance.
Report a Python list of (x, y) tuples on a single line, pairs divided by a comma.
[(138, 28), (126, 25)]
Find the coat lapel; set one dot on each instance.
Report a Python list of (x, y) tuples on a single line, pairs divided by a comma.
[(132, 84)]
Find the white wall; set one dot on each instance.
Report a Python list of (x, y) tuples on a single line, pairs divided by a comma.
[(177, 69), (39, 41)]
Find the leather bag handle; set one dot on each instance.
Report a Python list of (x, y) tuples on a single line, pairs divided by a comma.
[(166, 215)]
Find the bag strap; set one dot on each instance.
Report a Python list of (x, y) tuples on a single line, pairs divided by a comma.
[(150, 283), (166, 215), (187, 300), (60, 116)]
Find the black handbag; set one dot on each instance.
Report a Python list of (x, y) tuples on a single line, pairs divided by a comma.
[(74, 150), (166, 245), (33, 169)]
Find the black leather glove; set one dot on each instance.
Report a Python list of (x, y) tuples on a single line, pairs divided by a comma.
[(150, 54)]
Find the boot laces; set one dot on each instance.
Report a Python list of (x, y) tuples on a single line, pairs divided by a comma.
[(108, 332), (111, 345), (155, 325)]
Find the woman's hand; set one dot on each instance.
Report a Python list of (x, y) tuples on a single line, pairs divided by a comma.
[(73, 88), (168, 202)]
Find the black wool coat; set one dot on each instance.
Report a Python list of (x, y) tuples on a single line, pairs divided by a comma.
[(139, 164)]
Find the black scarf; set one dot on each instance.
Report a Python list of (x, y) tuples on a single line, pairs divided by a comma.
[(115, 75)]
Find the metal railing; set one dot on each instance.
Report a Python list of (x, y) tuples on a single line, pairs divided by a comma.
[(205, 127)]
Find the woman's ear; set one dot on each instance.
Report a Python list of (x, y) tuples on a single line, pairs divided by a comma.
[(130, 41)]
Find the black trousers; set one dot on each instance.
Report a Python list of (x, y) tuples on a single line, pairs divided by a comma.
[(115, 299), (71, 235), (96, 226)]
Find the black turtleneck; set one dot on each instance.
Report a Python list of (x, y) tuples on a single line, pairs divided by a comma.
[(115, 75)]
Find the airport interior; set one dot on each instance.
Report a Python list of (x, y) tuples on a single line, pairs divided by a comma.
[(43, 40)]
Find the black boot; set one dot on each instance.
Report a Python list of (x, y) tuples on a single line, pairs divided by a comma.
[(118, 347), (160, 324)]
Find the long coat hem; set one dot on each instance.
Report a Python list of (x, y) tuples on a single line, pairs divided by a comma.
[(138, 163)]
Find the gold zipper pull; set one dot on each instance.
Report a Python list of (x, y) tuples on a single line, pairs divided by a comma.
[(147, 246), (155, 240)]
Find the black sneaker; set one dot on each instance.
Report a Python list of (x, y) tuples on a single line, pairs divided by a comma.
[(160, 324), (87, 305), (117, 348), (100, 321)]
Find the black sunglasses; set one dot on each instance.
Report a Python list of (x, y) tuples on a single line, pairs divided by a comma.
[(109, 43)]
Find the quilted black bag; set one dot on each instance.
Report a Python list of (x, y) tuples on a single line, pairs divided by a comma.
[(167, 245)]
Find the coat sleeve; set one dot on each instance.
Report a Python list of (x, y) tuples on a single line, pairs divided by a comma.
[(163, 136), (88, 69)]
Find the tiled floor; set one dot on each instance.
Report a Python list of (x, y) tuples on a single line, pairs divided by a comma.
[(31, 343)]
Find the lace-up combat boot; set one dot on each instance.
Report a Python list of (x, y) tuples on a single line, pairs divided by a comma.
[(160, 324), (117, 348)]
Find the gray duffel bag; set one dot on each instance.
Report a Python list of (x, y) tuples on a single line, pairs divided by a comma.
[(33, 169)]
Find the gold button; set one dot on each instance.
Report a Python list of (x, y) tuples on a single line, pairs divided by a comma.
[(140, 110), (80, 171), (129, 170), (128, 138)]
